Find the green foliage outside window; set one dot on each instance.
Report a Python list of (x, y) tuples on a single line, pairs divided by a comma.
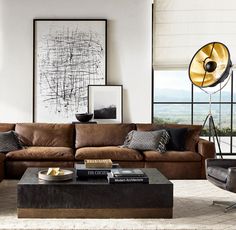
[(226, 131)]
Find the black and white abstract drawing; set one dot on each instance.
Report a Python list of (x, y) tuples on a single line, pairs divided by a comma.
[(69, 55), (106, 103)]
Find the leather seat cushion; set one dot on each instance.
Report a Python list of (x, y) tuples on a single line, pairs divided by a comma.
[(218, 173), (108, 152), (42, 154), (171, 156)]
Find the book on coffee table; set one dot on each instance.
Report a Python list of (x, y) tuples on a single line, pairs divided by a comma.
[(127, 179), (121, 172), (82, 171)]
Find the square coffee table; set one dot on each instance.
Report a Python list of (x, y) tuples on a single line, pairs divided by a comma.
[(94, 198)]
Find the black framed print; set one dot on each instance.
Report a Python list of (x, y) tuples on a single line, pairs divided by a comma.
[(69, 55), (106, 103)]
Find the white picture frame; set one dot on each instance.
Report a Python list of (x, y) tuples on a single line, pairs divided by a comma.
[(106, 103)]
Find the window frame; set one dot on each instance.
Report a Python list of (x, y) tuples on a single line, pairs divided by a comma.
[(232, 104)]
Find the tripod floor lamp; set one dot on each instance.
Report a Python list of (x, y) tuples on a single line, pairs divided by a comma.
[(210, 69)]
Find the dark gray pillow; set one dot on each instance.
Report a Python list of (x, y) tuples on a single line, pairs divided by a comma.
[(147, 140), (9, 142)]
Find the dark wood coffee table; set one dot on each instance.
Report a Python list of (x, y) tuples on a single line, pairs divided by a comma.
[(94, 198)]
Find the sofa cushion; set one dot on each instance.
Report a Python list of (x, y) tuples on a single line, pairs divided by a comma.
[(4, 127), (2, 166), (192, 135), (42, 154), (171, 156), (177, 169), (177, 139), (218, 173), (109, 152), (147, 140), (148, 127), (43, 134), (92, 135), (2, 157)]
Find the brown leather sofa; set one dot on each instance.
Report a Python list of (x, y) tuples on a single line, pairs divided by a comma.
[(61, 145)]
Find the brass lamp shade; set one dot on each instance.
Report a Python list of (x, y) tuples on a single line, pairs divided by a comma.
[(210, 65)]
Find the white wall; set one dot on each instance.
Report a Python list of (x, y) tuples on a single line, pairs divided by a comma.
[(129, 51)]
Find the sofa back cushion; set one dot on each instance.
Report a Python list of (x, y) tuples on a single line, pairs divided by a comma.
[(43, 134), (92, 135), (4, 127), (192, 135)]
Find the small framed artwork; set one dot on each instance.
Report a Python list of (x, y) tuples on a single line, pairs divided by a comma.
[(106, 103), (69, 55)]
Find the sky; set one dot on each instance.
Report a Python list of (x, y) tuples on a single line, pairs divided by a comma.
[(176, 79)]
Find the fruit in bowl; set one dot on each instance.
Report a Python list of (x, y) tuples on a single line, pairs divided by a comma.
[(84, 117), (55, 172)]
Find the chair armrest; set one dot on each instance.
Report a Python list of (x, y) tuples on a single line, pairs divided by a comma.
[(206, 149), (231, 180)]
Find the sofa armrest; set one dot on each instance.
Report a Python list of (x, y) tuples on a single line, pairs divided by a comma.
[(206, 149), (2, 158), (231, 180)]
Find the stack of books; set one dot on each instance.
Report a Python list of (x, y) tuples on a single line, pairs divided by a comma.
[(95, 168), (120, 175)]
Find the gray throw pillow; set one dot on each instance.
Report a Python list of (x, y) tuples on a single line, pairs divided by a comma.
[(9, 142), (147, 140)]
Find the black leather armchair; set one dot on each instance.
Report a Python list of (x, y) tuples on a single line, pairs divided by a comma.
[(222, 173)]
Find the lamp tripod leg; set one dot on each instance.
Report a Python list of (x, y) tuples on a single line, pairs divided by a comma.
[(216, 136), (204, 124), (212, 131)]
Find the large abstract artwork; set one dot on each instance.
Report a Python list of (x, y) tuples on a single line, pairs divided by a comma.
[(69, 55)]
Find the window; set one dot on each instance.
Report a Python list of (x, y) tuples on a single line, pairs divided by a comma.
[(176, 100)]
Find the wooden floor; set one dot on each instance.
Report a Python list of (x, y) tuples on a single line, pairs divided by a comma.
[(192, 210)]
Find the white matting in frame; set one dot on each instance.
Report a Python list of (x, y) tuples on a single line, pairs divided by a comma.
[(106, 103)]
